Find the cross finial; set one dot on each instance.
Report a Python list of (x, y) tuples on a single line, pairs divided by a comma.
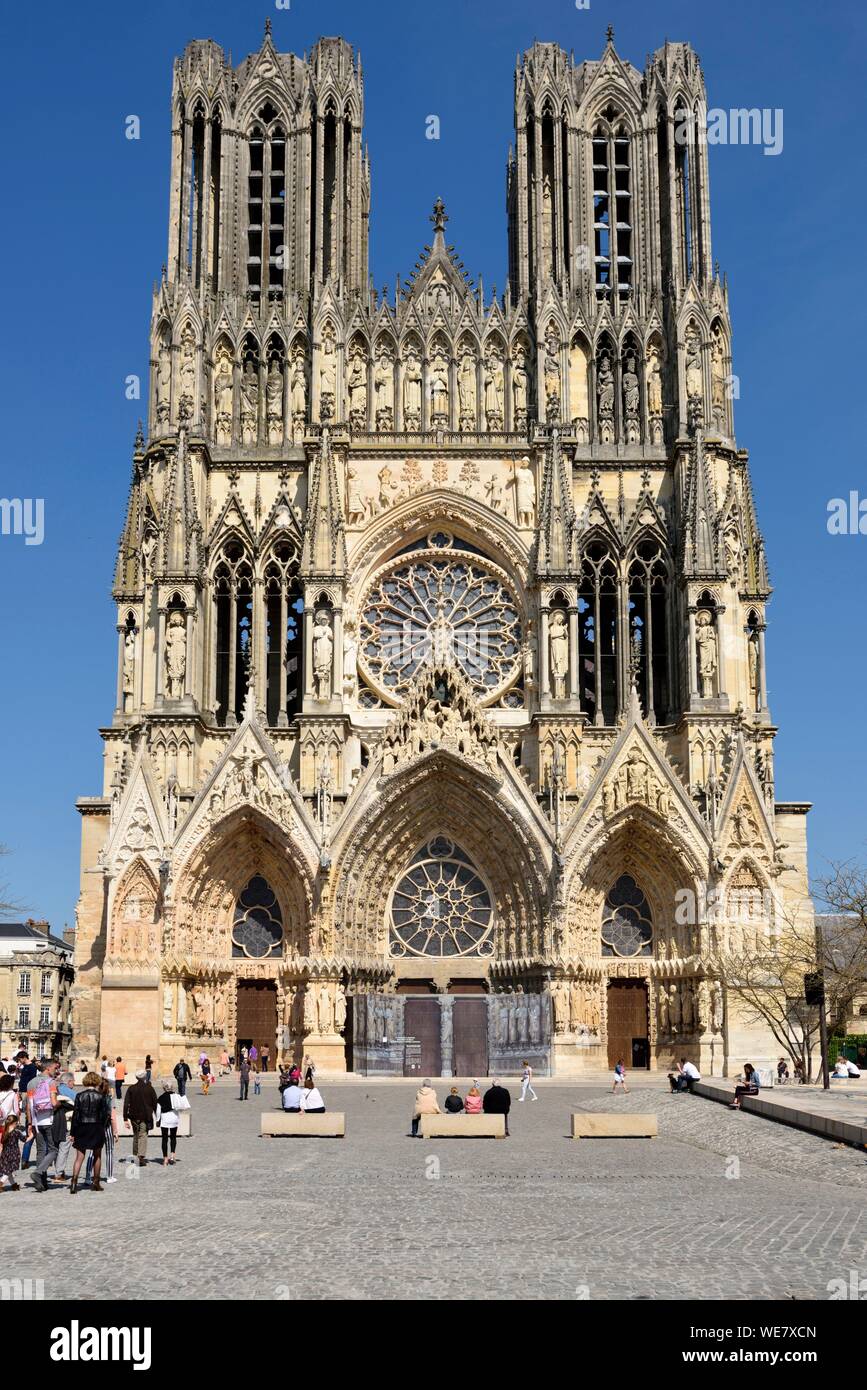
[(439, 216), (267, 28), (609, 33)]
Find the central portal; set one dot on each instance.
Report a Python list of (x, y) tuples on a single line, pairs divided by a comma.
[(256, 1017)]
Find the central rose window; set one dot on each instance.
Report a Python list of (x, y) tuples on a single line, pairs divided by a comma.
[(440, 906), (440, 602)]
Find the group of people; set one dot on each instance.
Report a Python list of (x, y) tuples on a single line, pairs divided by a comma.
[(298, 1097), (39, 1104), (496, 1101)]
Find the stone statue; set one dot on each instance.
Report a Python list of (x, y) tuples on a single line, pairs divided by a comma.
[(412, 391), (274, 402), (383, 389), (558, 644), (605, 400), (716, 1007), (718, 384), (168, 1002), (654, 382), (522, 1016), (350, 662), (386, 487), (753, 660), (705, 639), (249, 403), (674, 1012), (176, 656), (327, 376), (439, 389), (636, 777), (324, 1010), (187, 375), (129, 667), (529, 656), (519, 389), (494, 391), (688, 1008), (535, 1019), (694, 378), (357, 389), (339, 1010), (467, 391), (298, 389), (309, 1010), (631, 401), (552, 375), (323, 654), (702, 1007), (354, 497), (223, 395), (663, 1013), (164, 381), (525, 493)]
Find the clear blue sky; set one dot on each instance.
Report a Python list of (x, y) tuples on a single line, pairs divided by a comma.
[(84, 235)]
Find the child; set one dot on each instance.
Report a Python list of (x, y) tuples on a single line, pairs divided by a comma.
[(620, 1077), (257, 1084)]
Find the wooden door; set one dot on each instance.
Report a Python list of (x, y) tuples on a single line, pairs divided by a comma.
[(470, 1036), (421, 1028), (257, 1016), (627, 1019)]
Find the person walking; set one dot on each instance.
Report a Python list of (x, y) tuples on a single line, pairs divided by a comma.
[(425, 1104), (205, 1073), (148, 1066), (527, 1083), (66, 1092), (168, 1122), (10, 1120), (182, 1075), (311, 1100), (139, 1105), (24, 1075), (224, 1063), (254, 1053), (42, 1101), (620, 1078), (309, 1069), (266, 1053), (244, 1076), (108, 1147), (257, 1083), (497, 1101), (120, 1077), (90, 1116)]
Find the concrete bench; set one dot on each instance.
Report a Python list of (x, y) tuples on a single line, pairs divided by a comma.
[(608, 1126), (184, 1129), (463, 1126), (331, 1125)]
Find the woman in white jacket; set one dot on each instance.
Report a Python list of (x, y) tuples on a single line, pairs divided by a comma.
[(311, 1100), (167, 1118)]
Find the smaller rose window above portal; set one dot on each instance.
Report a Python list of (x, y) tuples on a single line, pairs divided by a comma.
[(257, 930)]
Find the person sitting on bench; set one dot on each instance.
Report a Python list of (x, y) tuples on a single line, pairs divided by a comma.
[(686, 1076), (311, 1099), (292, 1098), (749, 1087)]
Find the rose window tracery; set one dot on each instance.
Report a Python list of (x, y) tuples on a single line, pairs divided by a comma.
[(440, 602), (627, 922), (440, 906), (257, 929)]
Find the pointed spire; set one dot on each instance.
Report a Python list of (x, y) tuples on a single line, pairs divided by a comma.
[(181, 523), (701, 529), (556, 541), (439, 218), (324, 549)]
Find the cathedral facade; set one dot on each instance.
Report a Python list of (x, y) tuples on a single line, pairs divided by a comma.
[(441, 711)]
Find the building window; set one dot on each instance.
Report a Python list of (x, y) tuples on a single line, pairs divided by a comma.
[(258, 925), (24, 982), (440, 906), (45, 1016), (612, 208), (47, 982), (23, 1015), (627, 923)]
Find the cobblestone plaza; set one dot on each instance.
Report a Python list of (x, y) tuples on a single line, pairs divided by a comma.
[(380, 1216)]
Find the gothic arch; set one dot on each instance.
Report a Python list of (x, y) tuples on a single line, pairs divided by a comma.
[(134, 931), (240, 845), (439, 796)]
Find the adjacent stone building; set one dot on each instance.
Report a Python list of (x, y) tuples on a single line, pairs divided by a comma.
[(36, 979), (441, 707)]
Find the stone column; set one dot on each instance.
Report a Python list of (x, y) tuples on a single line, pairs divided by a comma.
[(282, 717), (544, 682), (337, 655), (188, 664), (121, 652), (308, 650), (161, 651), (763, 689), (693, 664), (720, 654), (447, 1034), (231, 717), (574, 677)]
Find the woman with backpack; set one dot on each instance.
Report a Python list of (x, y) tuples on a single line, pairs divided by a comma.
[(90, 1117), (10, 1111), (110, 1137)]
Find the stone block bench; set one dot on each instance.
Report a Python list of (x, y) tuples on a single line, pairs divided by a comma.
[(331, 1125), (463, 1126), (608, 1126), (183, 1131)]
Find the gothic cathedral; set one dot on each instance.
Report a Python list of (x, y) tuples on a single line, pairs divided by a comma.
[(441, 712)]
